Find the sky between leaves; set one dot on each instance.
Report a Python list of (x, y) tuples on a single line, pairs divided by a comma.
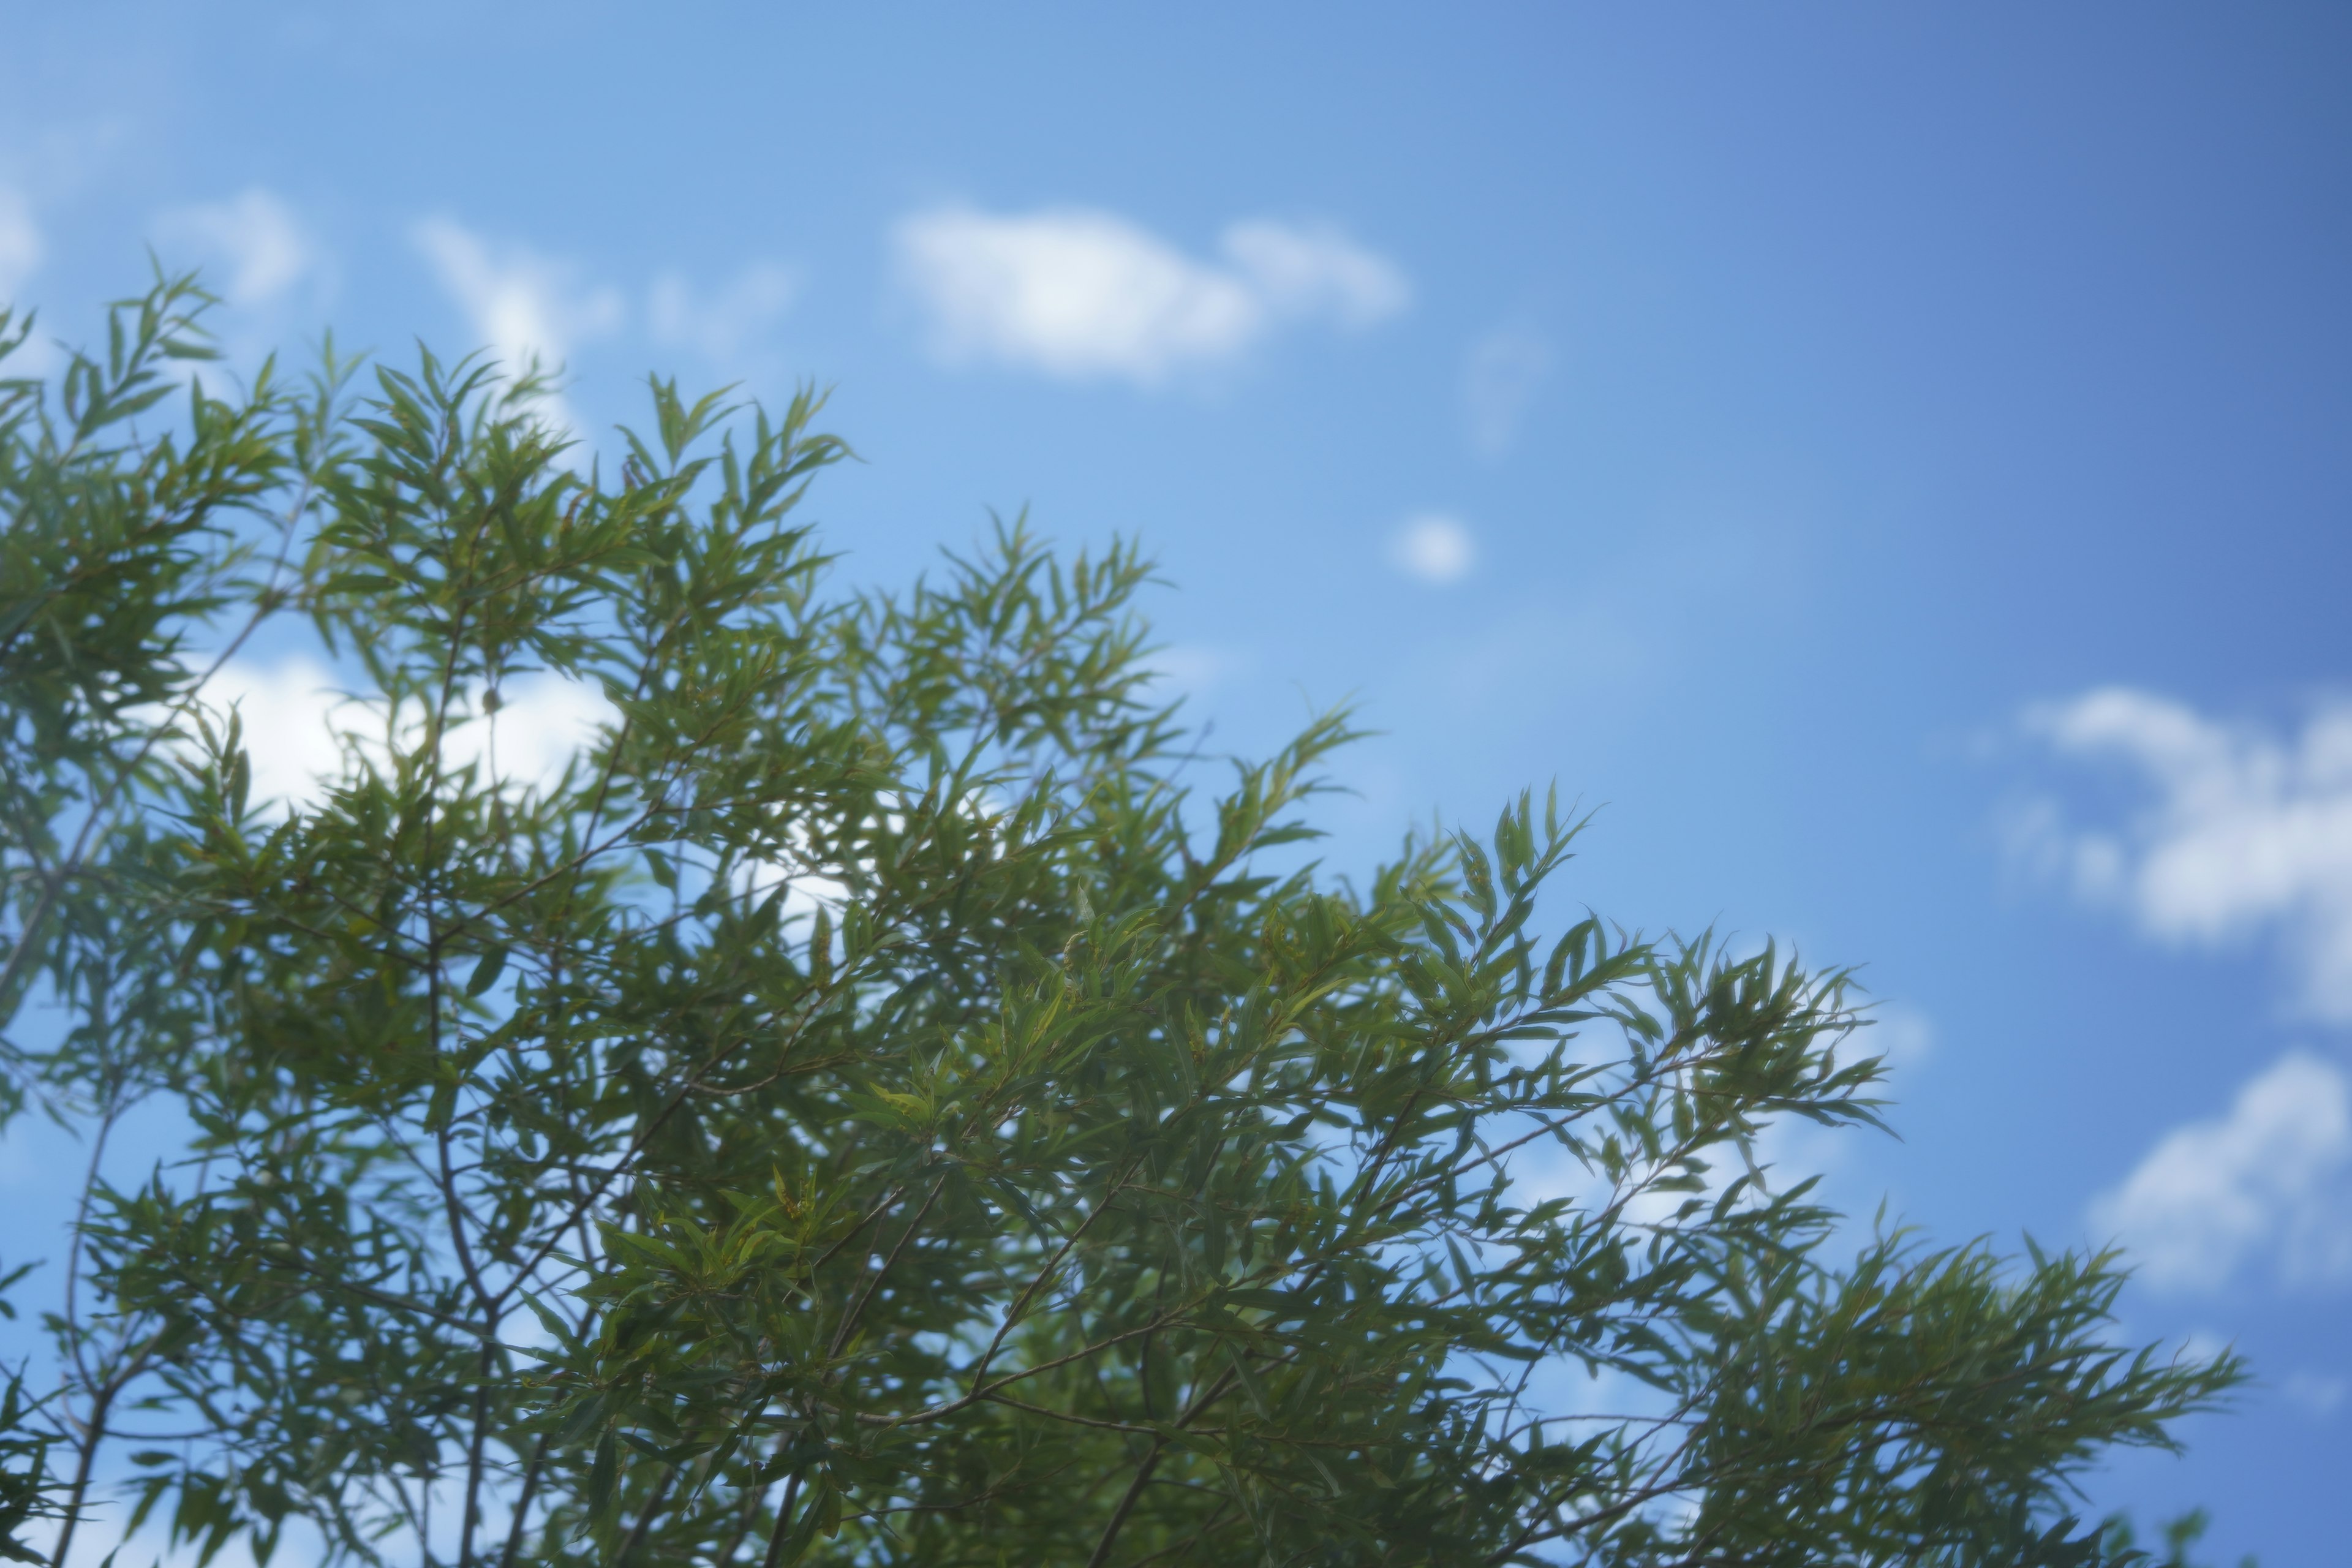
[(1892, 465)]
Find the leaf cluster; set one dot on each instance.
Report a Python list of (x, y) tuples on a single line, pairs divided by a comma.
[(878, 1102)]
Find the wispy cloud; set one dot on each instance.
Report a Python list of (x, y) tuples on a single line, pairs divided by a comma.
[(2269, 1183), (257, 249), (1088, 295), (1193, 670), (1434, 547), (2241, 831), (2317, 1393), (1500, 376), (1315, 272), (1902, 1036), (724, 323), (526, 309), (21, 247)]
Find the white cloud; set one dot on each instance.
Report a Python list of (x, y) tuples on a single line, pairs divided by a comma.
[(2245, 832), (259, 247), (1314, 270), (2269, 1182), (1192, 669), (1499, 378), (20, 244), (290, 721), (300, 726), (543, 723), (1087, 295), (1904, 1036), (1434, 547), (721, 325), (523, 307)]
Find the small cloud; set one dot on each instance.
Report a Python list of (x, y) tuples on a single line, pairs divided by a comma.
[(1434, 547), (1904, 1036), (2265, 1182), (1193, 668), (526, 309), (290, 735), (1499, 378), (1316, 272), (258, 245), (1085, 295), (21, 248), (544, 723), (2244, 830), (2317, 1393), (301, 727), (721, 325)]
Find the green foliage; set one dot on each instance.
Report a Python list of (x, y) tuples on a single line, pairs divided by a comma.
[(28, 1491), (881, 1102), (2121, 1541)]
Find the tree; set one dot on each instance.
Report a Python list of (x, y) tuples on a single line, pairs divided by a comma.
[(884, 1100)]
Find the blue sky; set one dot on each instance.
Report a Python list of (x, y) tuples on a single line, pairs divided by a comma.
[(1892, 462)]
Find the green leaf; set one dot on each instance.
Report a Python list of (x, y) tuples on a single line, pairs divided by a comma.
[(487, 970), (603, 1494)]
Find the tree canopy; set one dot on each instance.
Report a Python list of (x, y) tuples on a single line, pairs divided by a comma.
[(888, 1096)]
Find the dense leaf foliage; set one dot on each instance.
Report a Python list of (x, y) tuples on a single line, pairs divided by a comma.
[(886, 1098)]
